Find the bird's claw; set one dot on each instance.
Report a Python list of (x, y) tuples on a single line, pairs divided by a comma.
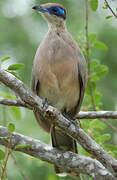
[(45, 103), (74, 121)]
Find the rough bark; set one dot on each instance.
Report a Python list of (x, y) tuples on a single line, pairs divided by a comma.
[(81, 114), (68, 161), (28, 97)]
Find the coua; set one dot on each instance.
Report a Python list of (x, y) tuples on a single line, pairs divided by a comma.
[(58, 74)]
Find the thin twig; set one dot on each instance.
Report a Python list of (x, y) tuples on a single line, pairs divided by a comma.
[(4, 124), (110, 125), (12, 102), (89, 70), (0, 165), (107, 4), (100, 115), (88, 58), (15, 103), (7, 156), (4, 115)]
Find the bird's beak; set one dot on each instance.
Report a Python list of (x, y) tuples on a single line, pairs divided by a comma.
[(40, 8)]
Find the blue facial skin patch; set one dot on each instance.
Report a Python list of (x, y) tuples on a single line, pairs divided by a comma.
[(56, 10)]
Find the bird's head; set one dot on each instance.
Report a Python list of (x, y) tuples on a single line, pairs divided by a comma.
[(54, 13)]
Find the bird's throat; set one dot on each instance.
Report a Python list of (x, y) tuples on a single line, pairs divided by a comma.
[(55, 26)]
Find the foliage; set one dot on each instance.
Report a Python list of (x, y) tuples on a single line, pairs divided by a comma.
[(94, 4), (11, 127)]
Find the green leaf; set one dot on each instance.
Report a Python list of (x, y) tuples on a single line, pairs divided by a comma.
[(94, 77), (92, 37), (2, 154), (15, 74), (98, 70), (5, 58), (93, 4), (100, 45), (97, 125), (7, 95), (11, 127), (90, 178), (24, 146), (84, 52), (15, 67), (105, 7), (103, 71), (110, 147), (104, 137), (93, 87), (97, 96), (16, 112), (51, 177), (97, 67), (3, 138), (115, 154), (108, 17)]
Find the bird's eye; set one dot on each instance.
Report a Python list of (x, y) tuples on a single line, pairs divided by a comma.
[(55, 10)]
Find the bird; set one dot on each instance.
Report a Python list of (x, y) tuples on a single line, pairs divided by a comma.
[(58, 75)]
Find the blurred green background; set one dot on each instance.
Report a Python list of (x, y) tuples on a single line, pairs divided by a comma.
[(21, 31)]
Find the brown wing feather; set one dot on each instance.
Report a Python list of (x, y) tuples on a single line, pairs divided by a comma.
[(82, 79), (82, 82), (44, 123), (34, 83)]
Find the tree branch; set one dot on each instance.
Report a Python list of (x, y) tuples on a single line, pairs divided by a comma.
[(12, 102), (97, 114), (81, 114), (59, 120), (75, 163), (107, 4)]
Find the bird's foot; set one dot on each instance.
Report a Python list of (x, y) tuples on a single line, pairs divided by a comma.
[(72, 120), (45, 103), (75, 122)]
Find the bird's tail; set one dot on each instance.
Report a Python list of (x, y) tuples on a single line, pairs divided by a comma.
[(62, 141)]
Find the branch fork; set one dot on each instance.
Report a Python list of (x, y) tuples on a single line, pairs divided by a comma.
[(104, 160)]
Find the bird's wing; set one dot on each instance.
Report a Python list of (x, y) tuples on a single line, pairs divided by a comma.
[(82, 78), (81, 66), (34, 82)]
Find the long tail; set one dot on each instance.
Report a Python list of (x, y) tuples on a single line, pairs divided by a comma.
[(62, 141)]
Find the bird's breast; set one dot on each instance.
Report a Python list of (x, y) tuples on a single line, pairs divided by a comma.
[(59, 83), (58, 73)]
